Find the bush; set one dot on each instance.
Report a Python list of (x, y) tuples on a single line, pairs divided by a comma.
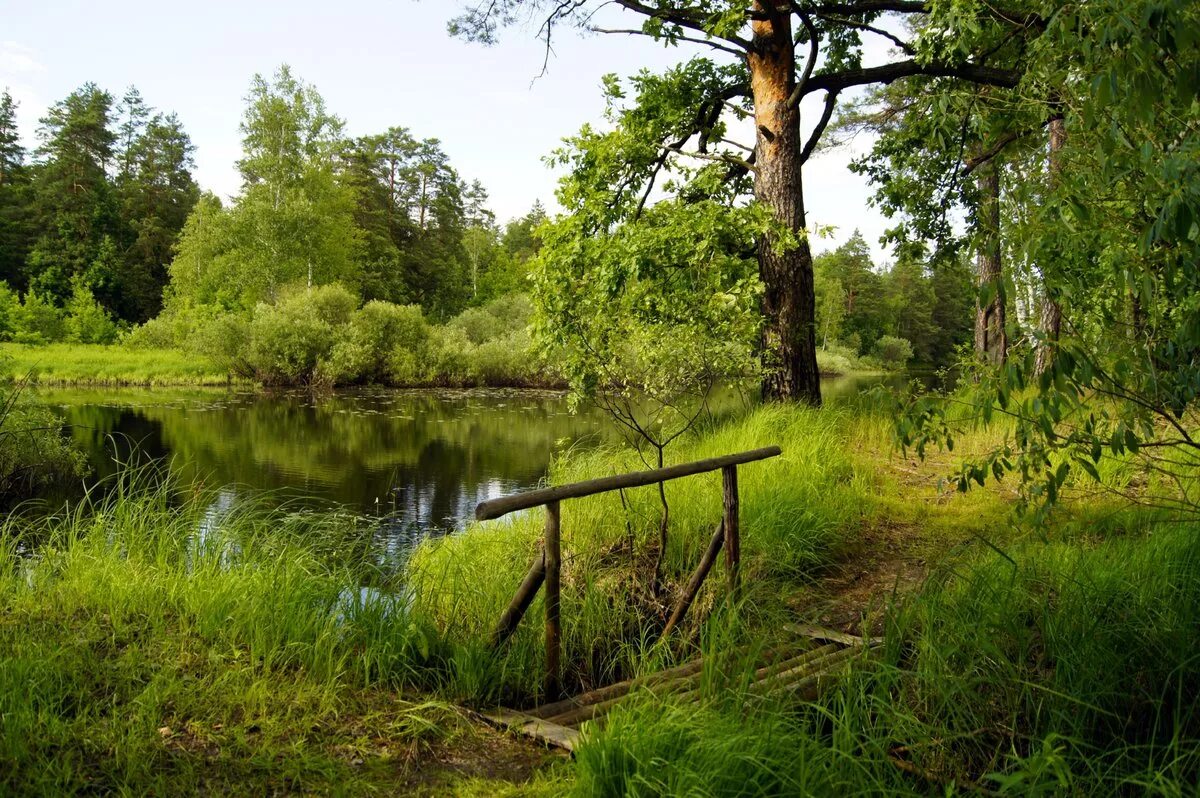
[(38, 321), (364, 350), (10, 306), (892, 353), (497, 319), (86, 321)]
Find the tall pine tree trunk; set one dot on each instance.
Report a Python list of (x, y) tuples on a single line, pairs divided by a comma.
[(991, 344), (789, 305), (1051, 321)]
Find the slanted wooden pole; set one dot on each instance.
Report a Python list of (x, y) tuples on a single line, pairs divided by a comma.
[(733, 541), (693, 585), (521, 600), (553, 587)]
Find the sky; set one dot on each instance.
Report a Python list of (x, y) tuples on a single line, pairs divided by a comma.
[(377, 64)]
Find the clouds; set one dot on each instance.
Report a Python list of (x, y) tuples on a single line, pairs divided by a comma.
[(20, 69), (17, 59)]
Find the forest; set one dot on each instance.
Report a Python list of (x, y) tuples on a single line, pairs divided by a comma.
[(247, 444)]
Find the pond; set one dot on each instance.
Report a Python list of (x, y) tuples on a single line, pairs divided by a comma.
[(417, 460)]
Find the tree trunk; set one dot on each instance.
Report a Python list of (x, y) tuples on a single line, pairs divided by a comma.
[(991, 344), (1051, 321), (789, 305)]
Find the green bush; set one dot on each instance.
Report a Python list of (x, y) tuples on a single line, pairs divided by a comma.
[(892, 353), (38, 321), (365, 347), (86, 321), (499, 318), (10, 306)]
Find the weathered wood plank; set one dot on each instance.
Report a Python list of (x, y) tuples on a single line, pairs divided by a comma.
[(521, 601), (539, 729), (733, 540), (494, 508), (820, 633), (553, 558), (698, 577)]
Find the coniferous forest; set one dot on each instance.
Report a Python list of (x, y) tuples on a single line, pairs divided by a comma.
[(343, 484)]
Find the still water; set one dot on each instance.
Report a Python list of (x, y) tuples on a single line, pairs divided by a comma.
[(418, 460)]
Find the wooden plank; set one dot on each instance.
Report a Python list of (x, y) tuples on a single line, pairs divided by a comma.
[(820, 633), (698, 577), (549, 733), (553, 557), (521, 601), (733, 541), (779, 666), (494, 508), (616, 690)]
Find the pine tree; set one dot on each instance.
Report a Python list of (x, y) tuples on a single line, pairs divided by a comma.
[(75, 205), (157, 193), (16, 231)]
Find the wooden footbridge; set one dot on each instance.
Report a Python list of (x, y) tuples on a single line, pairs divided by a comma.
[(804, 662)]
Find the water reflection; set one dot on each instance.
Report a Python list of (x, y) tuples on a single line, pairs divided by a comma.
[(420, 460), (417, 460)]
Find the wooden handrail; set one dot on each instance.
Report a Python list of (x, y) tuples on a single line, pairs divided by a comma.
[(547, 565), (494, 508)]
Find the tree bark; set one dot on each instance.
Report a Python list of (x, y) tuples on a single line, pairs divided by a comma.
[(789, 306), (991, 344), (1051, 321)]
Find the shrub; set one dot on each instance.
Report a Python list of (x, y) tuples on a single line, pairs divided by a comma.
[(500, 317), (364, 350), (448, 358), (287, 342), (892, 352), (86, 321), (39, 321), (10, 306)]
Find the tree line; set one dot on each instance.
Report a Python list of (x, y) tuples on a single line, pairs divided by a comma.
[(103, 224)]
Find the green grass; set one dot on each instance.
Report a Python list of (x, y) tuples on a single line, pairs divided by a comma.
[(1048, 669), (96, 365), (138, 655)]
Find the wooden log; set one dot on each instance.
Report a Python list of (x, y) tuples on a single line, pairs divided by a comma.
[(809, 670), (536, 728), (617, 690), (820, 633), (698, 577), (789, 663), (553, 557), (494, 508), (733, 541), (521, 601)]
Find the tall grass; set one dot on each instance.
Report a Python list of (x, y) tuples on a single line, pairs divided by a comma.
[(160, 642), (95, 364), (1051, 668)]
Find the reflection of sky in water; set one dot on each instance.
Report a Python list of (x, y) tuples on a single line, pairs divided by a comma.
[(419, 461)]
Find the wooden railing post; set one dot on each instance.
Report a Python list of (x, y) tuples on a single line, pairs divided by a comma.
[(553, 559), (521, 601), (733, 543)]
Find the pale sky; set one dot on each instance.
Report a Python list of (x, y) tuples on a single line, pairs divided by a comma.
[(377, 64)]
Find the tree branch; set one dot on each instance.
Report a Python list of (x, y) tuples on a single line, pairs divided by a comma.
[(998, 146), (819, 130), (889, 73), (680, 17), (814, 43), (692, 39)]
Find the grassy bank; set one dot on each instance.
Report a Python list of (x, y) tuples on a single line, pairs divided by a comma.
[(112, 366), (139, 655)]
